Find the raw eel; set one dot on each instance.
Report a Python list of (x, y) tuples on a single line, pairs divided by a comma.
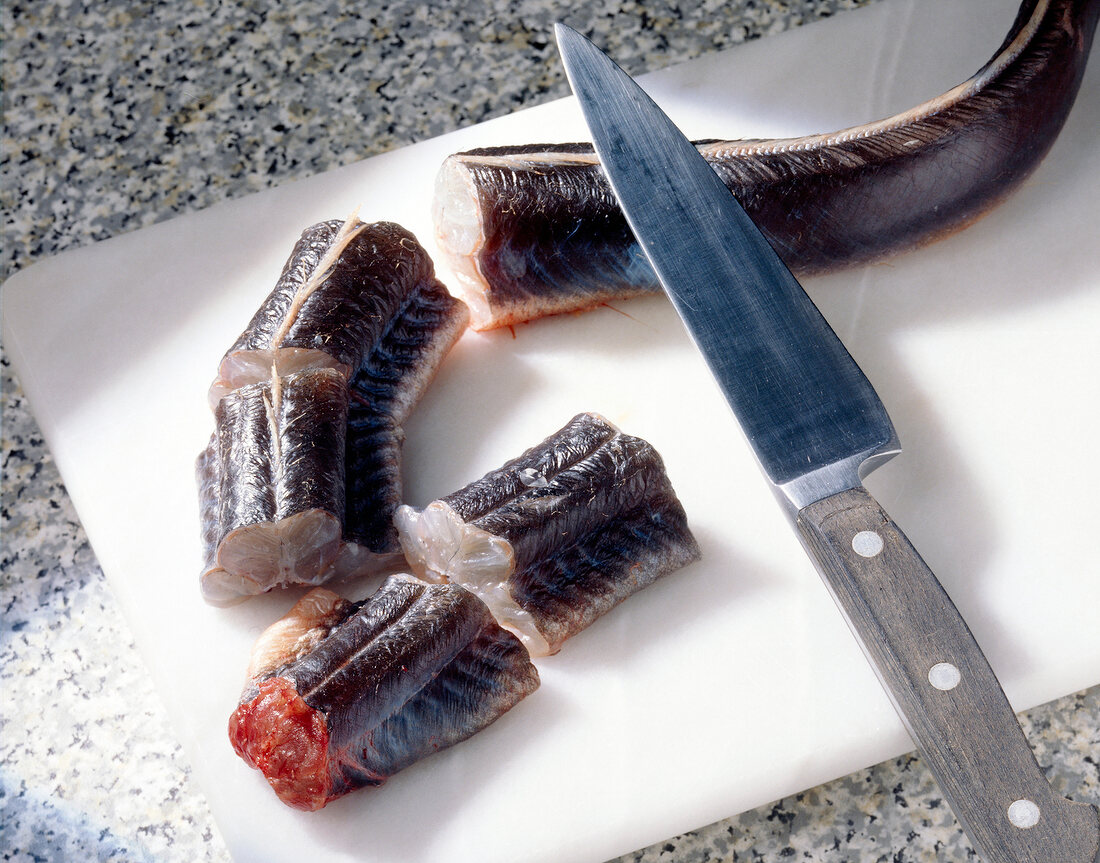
[(272, 485), (299, 483), (343, 695), (535, 230), (558, 536)]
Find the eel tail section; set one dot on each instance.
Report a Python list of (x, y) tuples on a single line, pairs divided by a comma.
[(534, 230)]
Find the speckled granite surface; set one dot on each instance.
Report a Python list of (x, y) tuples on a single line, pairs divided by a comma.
[(121, 114)]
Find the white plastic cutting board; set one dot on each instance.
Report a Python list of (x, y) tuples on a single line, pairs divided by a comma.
[(732, 682)]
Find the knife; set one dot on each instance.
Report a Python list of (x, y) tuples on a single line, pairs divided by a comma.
[(817, 428)]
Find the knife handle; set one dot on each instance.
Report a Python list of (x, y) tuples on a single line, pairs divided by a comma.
[(943, 688)]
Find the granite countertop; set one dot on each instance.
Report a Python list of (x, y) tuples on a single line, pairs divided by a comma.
[(119, 115)]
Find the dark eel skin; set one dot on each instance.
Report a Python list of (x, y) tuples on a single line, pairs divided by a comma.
[(558, 536), (271, 484), (340, 295), (359, 314), (391, 378), (535, 230), (381, 684)]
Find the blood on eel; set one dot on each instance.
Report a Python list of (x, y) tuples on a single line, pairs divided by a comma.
[(343, 695)]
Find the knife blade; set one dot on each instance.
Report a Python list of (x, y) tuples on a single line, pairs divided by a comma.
[(817, 427)]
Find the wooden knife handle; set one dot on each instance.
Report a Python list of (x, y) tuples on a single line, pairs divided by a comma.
[(943, 687)]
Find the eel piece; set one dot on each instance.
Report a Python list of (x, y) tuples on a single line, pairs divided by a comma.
[(297, 487), (535, 230), (338, 293), (272, 485), (558, 536), (377, 686)]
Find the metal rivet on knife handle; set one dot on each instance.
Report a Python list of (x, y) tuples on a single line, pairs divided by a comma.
[(1023, 814), (867, 543), (944, 676)]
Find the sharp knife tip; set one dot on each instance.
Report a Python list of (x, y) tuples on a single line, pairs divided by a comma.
[(573, 40), (576, 50), (563, 32)]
